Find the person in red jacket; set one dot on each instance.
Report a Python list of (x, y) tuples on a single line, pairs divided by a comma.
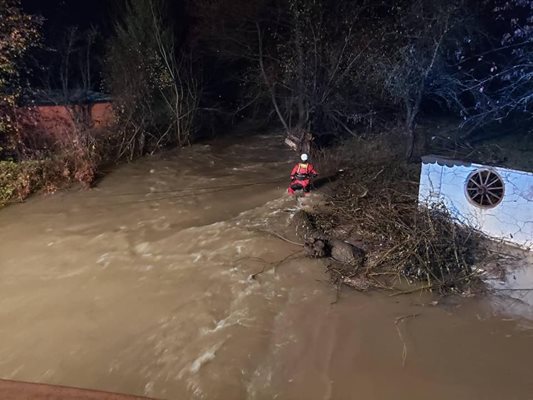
[(301, 175)]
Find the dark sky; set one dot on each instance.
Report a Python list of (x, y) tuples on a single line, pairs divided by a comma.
[(59, 14)]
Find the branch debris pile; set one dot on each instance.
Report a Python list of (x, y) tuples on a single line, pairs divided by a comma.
[(376, 208)]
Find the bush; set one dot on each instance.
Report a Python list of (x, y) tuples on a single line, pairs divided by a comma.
[(73, 163), (19, 180)]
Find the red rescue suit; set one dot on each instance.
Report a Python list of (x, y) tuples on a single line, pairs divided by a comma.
[(300, 177)]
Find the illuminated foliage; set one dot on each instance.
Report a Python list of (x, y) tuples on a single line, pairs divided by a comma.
[(18, 33), (151, 79)]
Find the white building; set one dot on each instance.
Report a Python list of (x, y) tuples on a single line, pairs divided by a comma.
[(496, 201)]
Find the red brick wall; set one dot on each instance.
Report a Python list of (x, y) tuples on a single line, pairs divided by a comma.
[(54, 121), (102, 115)]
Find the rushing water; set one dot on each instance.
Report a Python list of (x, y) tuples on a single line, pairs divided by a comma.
[(142, 286)]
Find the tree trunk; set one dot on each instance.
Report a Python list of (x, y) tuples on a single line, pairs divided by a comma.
[(271, 87), (411, 111), (300, 95), (411, 139)]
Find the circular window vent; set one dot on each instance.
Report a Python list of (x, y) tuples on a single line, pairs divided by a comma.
[(485, 188)]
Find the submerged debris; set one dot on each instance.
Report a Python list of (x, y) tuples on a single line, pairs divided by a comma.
[(316, 248)]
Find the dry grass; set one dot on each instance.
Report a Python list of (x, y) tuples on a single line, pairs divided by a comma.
[(377, 149)]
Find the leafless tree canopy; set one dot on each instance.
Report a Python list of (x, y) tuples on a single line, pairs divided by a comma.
[(151, 77), (335, 67)]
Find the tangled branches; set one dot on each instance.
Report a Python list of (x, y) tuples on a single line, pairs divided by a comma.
[(404, 242)]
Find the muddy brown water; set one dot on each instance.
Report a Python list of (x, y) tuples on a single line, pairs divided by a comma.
[(141, 286)]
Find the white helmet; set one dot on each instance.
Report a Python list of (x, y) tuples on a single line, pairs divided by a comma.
[(304, 157)]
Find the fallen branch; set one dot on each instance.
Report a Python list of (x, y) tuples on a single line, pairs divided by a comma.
[(277, 235), (397, 323), (418, 289), (274, 265)]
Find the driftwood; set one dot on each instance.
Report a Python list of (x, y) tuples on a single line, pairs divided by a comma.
[(289, 141), (356, 283), (347, 253)]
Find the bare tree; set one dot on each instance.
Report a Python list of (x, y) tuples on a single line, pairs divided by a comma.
[(413, 65), (496, 79), (180, 91), (312, 60), (152, 80)]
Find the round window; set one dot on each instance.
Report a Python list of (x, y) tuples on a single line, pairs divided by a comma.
[(485, 188)]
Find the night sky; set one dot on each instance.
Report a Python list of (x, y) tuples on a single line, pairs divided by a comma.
[(59, 14)]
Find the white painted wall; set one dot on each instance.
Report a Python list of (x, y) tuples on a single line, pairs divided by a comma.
[(443, 181)]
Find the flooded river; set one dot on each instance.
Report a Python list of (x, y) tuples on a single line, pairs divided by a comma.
[(142, 286)]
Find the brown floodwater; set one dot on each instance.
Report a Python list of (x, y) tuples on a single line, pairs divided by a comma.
[(142, 286)]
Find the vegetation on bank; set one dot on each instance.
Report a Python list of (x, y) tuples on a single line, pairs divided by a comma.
[(20, 179)]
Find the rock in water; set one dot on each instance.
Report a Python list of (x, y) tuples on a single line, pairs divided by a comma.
[(347, 253), (318, 245)]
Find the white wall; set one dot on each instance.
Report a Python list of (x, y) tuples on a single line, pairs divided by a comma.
[(443, 181)]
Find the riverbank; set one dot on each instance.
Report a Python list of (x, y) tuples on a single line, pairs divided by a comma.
[(19, 180), (79, 158)]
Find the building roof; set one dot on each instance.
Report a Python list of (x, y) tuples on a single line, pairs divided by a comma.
[(49, 98), (449, 162)]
